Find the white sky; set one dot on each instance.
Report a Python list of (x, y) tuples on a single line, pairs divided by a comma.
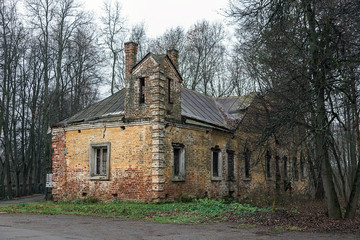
[(160, 15)]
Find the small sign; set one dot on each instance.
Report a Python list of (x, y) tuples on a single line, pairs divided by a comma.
[(49, 180)]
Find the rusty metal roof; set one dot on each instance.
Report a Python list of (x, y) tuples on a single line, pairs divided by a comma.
[(194, 105)]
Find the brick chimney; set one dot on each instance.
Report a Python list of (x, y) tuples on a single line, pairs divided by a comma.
[(174, 56), (130, 56)]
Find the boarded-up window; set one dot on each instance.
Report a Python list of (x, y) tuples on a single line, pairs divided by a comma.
[(231, 163)]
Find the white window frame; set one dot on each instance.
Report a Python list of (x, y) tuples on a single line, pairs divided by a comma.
[(181, 176), (93, 152)]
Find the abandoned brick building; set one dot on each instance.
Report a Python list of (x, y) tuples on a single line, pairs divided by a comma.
[(156, 140)]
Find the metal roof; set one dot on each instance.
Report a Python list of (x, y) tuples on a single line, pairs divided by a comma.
[(194, 106), (110, 106), (200, 107)]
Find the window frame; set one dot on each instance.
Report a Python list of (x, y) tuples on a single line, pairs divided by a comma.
[(268, 166), (285, 167), (92, 161), (217, 150), (230, 174), (141, 90), (302, 167), (169, 90), (295, 169), (247, 164), (181, 176)]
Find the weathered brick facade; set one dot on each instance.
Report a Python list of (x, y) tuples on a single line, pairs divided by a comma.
[(146, 131)]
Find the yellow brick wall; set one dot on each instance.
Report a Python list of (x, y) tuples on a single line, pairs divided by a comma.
[(130, 164)]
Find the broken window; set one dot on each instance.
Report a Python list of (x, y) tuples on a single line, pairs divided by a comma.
[(216, 163), (268, 164), (247, 156), (179, 162), (142, 90), (99, 161), (231, 163)]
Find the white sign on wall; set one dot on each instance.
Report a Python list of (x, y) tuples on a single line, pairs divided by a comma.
[(49, 180)]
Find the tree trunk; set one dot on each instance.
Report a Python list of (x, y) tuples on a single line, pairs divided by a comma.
[(355, 189)]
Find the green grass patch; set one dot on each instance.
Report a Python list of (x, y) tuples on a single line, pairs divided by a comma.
[(197, 211)]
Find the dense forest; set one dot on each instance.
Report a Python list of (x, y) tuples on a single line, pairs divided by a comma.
[(56, 59)]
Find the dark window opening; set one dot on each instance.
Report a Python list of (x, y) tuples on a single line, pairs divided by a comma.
[(268, 164), (141, 89), (295, 169), (277, 168), (231, 167), (169, 91), (176, 161), (215, 164), (247, 156), (285, 165), (277, 173)]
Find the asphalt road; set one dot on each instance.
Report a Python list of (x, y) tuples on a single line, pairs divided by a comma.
[(56, 227), (31, 198)]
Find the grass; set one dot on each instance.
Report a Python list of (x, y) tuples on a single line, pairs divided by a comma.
[(197, 211)]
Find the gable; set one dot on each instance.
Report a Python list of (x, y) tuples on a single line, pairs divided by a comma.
[(153, 60)]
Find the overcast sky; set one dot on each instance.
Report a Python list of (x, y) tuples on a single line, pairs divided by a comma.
[(160, 15)]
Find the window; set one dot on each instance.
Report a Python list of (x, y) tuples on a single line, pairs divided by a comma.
[(142, 90), (285, 166), (268, 164), (216, 164), (231, 163), (247, 156), (295, 169), (99, 161), (169, 90), (277, 168), (179, 162), (302, 167)]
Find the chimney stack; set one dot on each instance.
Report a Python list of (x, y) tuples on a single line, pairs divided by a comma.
[(130, 56), (174, 56)]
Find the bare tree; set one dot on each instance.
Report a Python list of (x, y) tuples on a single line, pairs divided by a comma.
[(293, 50), (113, 32)]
